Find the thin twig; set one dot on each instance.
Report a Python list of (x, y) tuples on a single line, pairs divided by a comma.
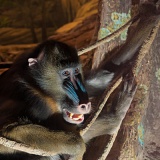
[(145, 48), (109, 37), (108, 146), (102, 104)]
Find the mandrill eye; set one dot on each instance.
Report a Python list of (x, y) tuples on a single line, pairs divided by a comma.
[(76, 71), (66, 73)]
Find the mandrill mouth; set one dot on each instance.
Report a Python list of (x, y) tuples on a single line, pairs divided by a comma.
[(75, 118)]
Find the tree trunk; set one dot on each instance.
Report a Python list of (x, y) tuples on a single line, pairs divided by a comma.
[(44, 30), (31, 19)]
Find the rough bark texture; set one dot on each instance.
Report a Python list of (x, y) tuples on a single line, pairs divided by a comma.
[(151, 117), (138, 137), (112, 16)]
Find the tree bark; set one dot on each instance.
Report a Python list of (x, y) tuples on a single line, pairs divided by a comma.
[(44, 30), (31, 19)]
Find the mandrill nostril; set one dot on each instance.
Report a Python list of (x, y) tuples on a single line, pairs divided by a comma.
[(83, 106)]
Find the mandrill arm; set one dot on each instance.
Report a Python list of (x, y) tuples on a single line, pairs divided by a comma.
[(51, 143), (110, 123)]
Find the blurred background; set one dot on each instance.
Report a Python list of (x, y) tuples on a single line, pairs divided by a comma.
[(25, 23), (31, 21)]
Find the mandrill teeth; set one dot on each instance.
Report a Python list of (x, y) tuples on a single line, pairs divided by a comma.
[(80, 116), (71, 115), (76, 119)]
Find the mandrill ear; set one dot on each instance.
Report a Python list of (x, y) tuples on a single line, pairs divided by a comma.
[(32, 61)]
